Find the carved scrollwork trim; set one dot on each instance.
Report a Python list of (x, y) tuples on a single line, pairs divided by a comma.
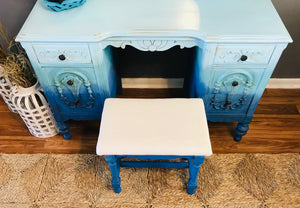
[(151, 45)]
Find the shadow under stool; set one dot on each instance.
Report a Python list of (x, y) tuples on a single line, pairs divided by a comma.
[(154, 129)]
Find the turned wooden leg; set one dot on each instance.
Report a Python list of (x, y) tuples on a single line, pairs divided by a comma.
[(114, 166), (240, 131), (194, 167), (64, 128)]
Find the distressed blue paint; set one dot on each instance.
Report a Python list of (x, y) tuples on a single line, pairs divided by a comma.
[(148, 164), (212, 21), (195, 81), (64, 129), (228, 93), (63, 112), (241, 130), (77, 105), (193, 164), (78, 91), (114, 166), (194, 167), (222, 33)]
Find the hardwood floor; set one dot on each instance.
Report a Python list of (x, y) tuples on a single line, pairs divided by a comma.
[(275, 128)]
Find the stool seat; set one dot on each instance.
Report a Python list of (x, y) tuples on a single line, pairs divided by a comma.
[(154, 127)]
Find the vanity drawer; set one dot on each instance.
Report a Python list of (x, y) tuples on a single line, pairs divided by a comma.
[(48, 54), (241, 54)]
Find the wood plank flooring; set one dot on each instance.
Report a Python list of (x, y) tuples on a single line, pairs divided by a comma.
[(275, 128)]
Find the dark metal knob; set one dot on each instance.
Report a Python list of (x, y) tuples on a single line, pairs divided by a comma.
[(244, 58), (62, 57), (235, 83), (228, 102), (76, 101), (70, 82)]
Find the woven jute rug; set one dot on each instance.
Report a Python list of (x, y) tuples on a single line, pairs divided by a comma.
[(81, 180)]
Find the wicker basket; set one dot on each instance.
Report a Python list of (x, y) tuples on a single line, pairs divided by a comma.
[(5, 91), (33, 108), (66, 4)]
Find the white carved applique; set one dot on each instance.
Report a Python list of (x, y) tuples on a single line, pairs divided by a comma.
[(231, 92), (50, 55), (233, 55), (74, 90), (152, 45)]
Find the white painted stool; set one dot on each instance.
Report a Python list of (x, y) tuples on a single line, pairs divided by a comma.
[(154, 129)]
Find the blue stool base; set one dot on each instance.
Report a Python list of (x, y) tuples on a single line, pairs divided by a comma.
[(193, 164)]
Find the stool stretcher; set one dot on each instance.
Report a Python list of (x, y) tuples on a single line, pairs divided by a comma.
[(193, 164)]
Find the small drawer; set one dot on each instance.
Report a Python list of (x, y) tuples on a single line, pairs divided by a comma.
[(241, 54), (62, 54)]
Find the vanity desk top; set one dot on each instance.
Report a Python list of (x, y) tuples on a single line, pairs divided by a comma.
[(210, 21)]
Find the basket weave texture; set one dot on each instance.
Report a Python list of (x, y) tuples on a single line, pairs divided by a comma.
[(5, 91), (33, 108)]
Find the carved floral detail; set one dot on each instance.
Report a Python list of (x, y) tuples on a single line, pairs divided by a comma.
[(254, 55), (75, 90), (51, 55), (225, 85), (152, 45)]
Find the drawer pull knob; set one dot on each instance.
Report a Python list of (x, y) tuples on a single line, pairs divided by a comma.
[(70, 82), (62, 57), (228, 102), (244, 58), (76, 101), (235, 83)]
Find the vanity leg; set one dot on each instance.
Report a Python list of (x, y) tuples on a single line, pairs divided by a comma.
[(64, 128), (240, 131)]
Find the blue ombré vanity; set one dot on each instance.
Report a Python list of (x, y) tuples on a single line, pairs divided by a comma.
[(237, 45)]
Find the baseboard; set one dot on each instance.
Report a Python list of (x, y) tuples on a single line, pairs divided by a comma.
[(281, 83), (178, 83), (152, 83)]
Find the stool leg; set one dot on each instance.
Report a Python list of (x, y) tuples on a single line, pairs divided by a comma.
[(114, 165), (194, 167)]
